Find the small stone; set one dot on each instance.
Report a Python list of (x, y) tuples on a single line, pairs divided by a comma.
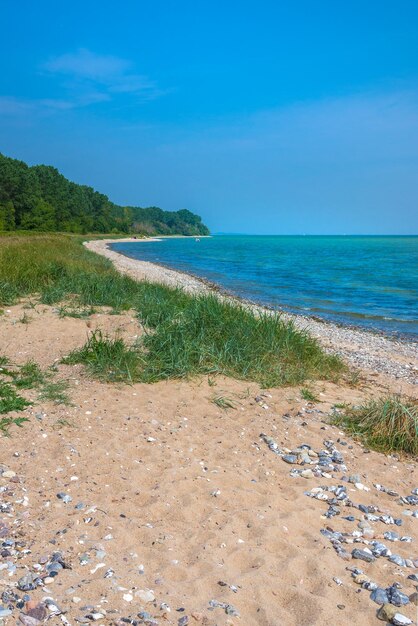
[(128, 597), (27, 583), (146, 595), (364, 555), (361, 578), (400, 620), (361, 487), (27, 620), (398, 560), (379, 596), (65, 497), (391, 536), (290, 458), (413, 598), (396, 597), (387, 612), (8, 474), (5, 612), (307, 473), (38, 611)]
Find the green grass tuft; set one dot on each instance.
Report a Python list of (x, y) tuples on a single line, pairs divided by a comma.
[(55, 391), (79, 312), (203, 335), (107, 359), (224, 402), (28, 376), (307, 394), (389, 424), (10, 400), (7, 422), (14, 378)]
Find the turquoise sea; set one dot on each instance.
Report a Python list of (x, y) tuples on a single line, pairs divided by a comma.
[(370, 282)]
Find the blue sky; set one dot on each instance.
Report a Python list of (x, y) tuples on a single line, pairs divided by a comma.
[(263, 117)]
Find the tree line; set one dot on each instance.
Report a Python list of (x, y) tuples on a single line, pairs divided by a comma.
[(40, 198)]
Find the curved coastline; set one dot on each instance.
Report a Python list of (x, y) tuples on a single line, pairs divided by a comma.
[(366, 349), (220, 289)]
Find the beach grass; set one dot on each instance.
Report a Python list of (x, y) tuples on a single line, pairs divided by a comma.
[(308, 395), (107, 359), (386, 424), (186, 335), (55, 391), (17, 378)]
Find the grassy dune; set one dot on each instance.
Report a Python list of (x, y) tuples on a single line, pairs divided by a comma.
[(188, 335), (387, 424)]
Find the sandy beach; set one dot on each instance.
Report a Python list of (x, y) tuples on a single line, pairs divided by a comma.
[(162, 507)]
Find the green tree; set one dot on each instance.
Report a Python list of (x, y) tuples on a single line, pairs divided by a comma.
[(7, 216), (41, 217)]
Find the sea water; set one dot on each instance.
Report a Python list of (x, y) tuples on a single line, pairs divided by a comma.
[(371, 282)]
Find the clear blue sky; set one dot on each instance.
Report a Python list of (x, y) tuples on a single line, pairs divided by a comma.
[(263, 117)]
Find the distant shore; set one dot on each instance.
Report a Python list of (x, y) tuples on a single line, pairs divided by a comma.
[(375, 353)]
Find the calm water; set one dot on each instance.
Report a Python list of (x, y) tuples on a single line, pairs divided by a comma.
[(366, 281)]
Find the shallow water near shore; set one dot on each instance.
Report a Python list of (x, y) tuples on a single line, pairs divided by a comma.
[(371, 282)]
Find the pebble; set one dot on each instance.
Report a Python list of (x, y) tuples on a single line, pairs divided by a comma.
[(387, 612), (401, 620), (146, 595), (396, 597), (27, 583), (379, 596), (364, 555), (307, 473), (413, 598), (361, 578), (65, 497), (8, 474), (290, 458)]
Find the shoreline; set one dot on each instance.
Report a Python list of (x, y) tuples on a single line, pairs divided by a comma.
[(364, 349)]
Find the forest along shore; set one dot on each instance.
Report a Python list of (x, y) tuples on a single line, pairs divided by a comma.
[(393, 362)]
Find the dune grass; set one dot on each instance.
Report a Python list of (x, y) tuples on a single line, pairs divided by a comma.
[(387, 424), (107, 359), (308, 395), (16, 378), (186, 335)]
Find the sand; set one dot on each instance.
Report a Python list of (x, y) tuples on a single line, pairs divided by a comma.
[(180, 495)]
